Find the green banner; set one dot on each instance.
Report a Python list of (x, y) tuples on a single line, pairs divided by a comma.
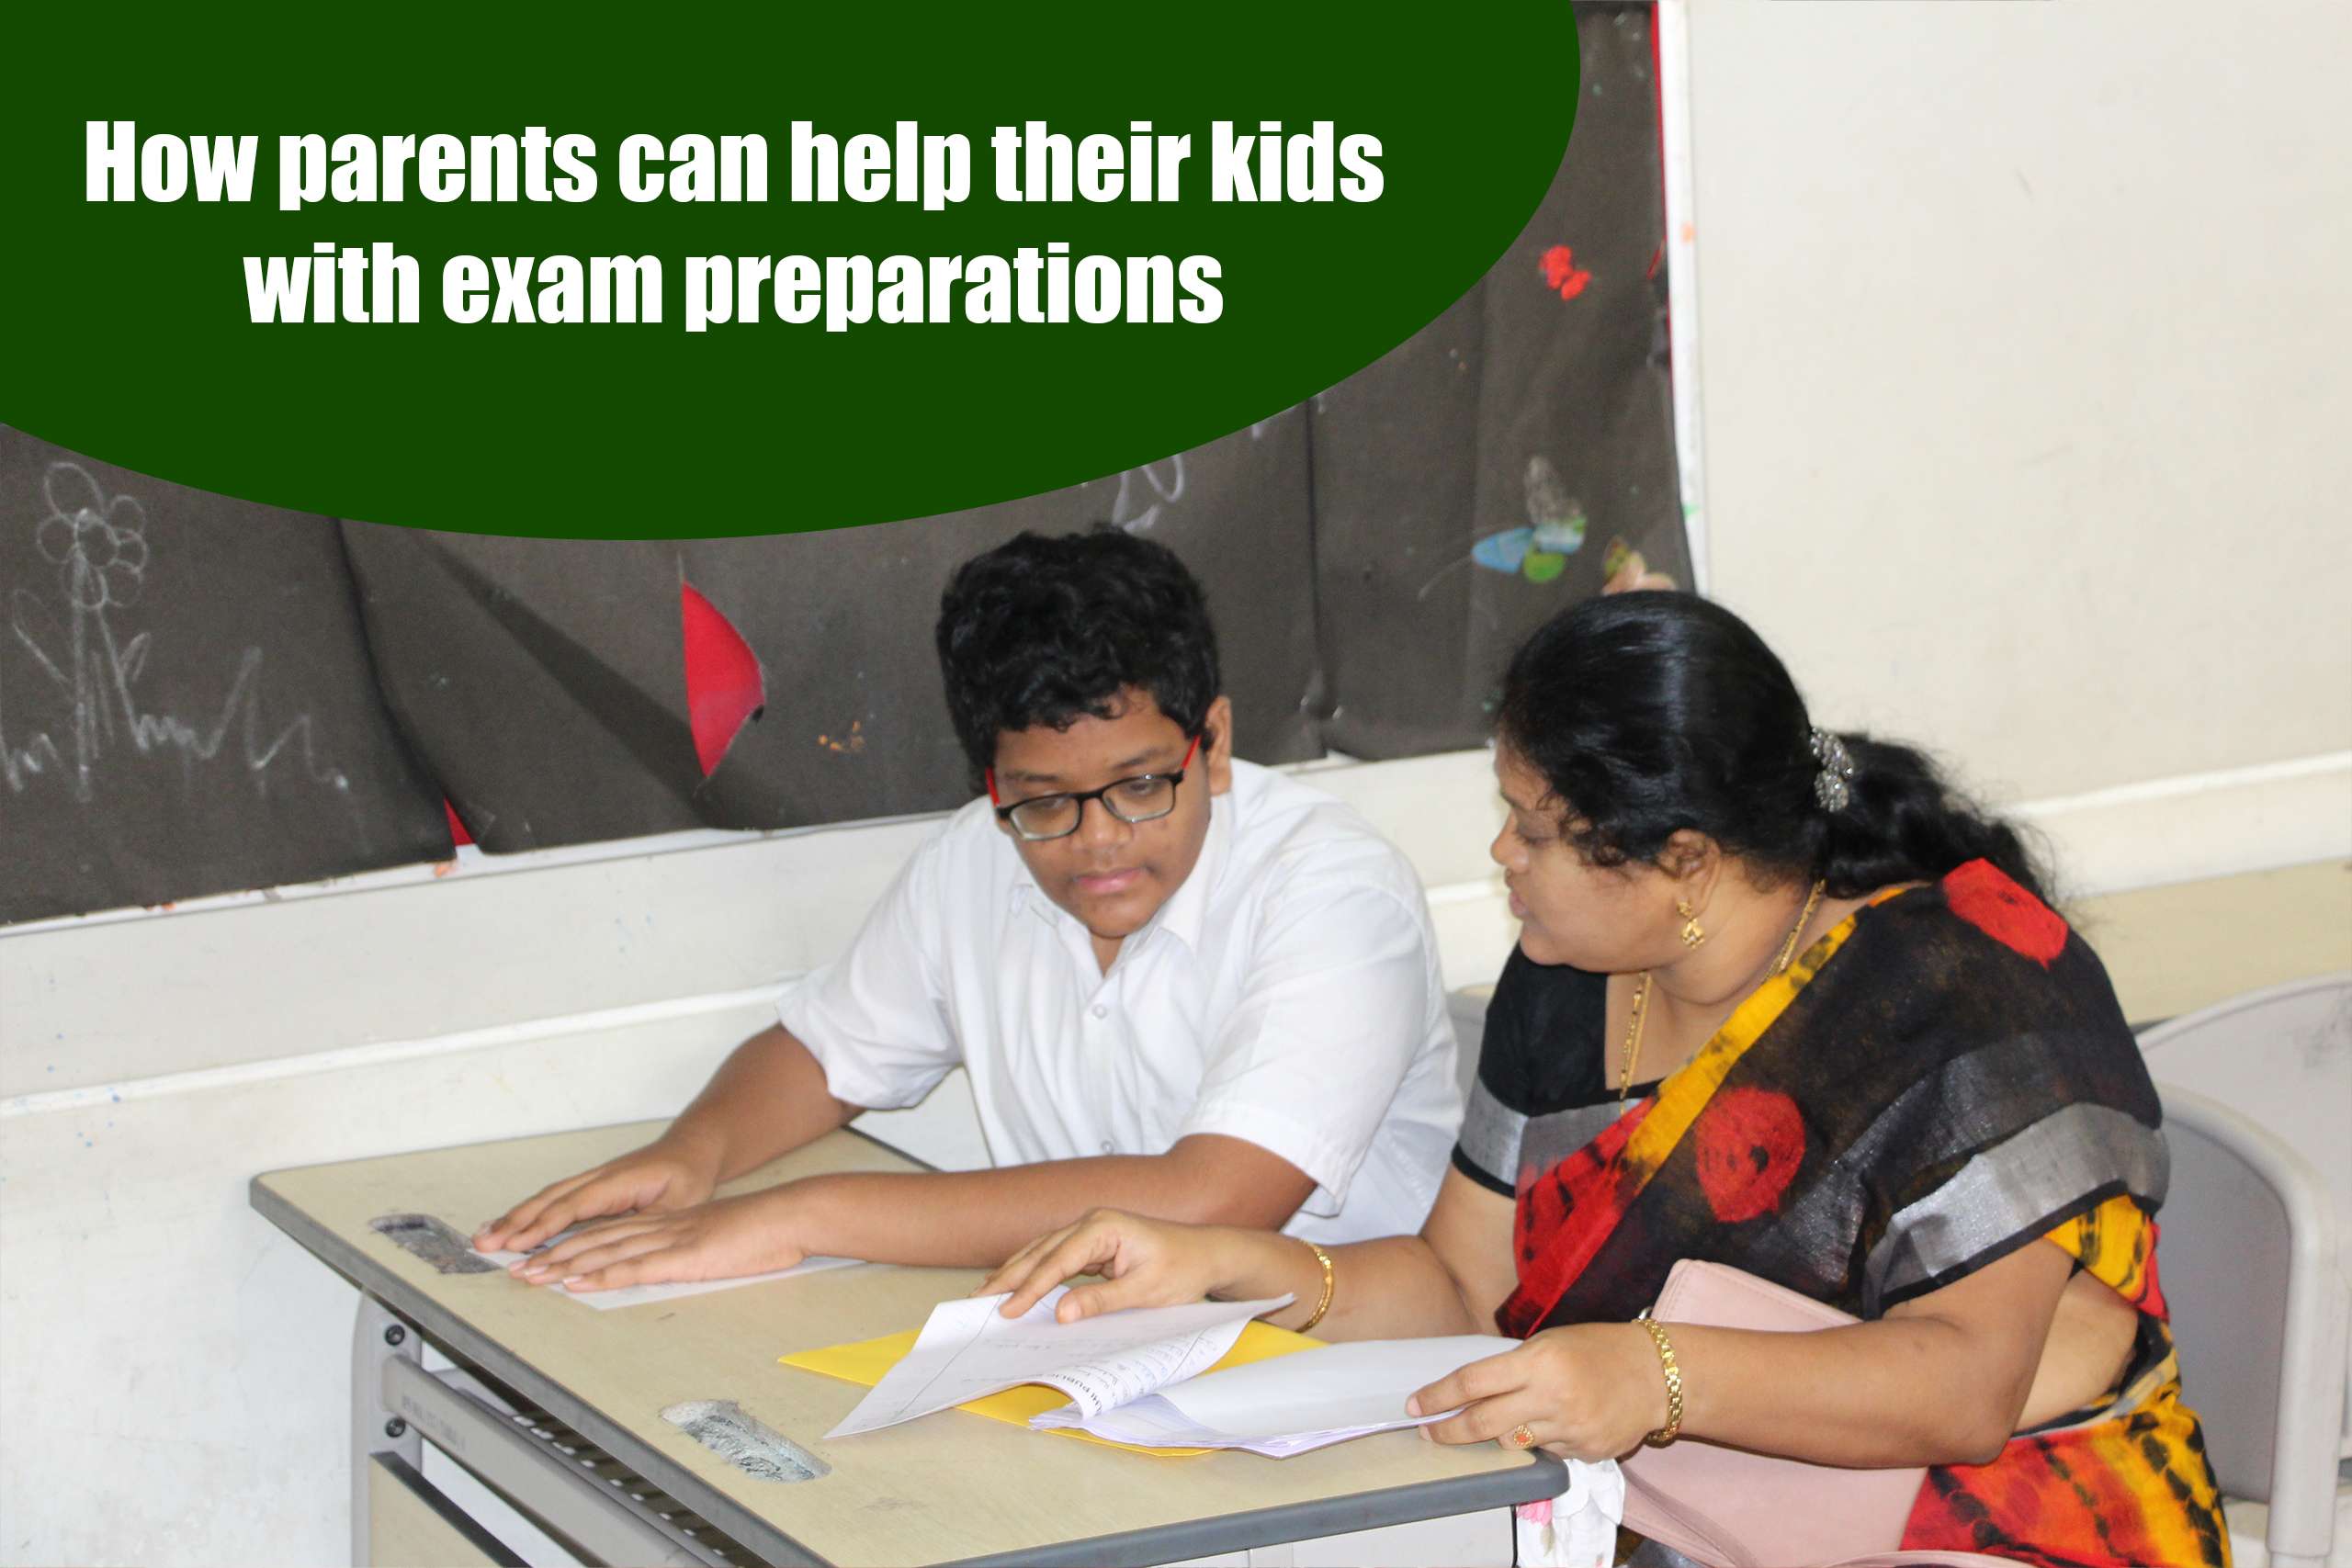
[(740, 270)]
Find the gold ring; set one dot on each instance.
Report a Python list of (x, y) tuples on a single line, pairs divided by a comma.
[(1522, 1435)]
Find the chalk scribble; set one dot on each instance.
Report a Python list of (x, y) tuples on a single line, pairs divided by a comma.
[(1130, 508), (93, 664)]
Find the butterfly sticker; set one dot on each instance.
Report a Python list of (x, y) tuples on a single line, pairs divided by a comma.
[(1554, 531), (1539, 549)]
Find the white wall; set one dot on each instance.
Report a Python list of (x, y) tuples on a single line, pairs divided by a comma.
[(2029, 430)]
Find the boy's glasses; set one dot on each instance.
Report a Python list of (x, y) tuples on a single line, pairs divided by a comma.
[(1146, 797)]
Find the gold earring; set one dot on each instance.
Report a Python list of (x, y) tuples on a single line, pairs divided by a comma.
[(1692, 932)]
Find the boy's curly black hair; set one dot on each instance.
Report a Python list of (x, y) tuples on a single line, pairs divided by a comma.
[(1048, 630)]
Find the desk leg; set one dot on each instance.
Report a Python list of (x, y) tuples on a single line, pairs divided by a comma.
[(377, 1336)]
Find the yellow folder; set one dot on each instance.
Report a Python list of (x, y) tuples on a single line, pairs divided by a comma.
[(864, 1362)]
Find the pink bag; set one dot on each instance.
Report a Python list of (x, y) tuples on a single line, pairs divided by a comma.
[(1736, 1509)]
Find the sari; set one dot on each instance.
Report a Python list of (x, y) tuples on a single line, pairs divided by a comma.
[(1940, 1080)]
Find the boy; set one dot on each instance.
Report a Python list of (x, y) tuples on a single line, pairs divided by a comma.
[(1181, 985)]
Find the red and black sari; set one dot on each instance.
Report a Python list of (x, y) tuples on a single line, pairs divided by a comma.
[(1942, 1078)]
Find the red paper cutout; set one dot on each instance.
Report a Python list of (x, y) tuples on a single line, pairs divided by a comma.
[(1561, 272), (725, 687)]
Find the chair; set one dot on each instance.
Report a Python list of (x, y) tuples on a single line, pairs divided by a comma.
[(2258, 1311), (2283, 1056)]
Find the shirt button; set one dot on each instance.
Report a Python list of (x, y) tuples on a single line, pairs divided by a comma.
[(1101, 1012), (1107, 1146)]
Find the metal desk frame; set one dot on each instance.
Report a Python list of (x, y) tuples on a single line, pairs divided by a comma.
[(619, 1500)]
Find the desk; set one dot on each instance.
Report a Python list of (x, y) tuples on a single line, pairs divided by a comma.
[(950, 1487), (2186, 945)]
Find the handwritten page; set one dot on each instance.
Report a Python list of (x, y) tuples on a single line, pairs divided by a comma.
[(969, 1348), (1291, 1404), (641, 1295)]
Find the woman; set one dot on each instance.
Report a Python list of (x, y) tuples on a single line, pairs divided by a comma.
[(1781, 1002)]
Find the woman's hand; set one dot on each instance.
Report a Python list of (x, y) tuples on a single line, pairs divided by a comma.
[(656, 1178), (1592, 1391), (1143, 1262)]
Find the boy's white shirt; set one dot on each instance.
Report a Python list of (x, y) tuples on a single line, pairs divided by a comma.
[(1288, 993)]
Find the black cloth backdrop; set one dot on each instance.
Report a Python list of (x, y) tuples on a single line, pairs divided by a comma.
[(547, 681), (187, 703), (250, 696), (1541, 396)]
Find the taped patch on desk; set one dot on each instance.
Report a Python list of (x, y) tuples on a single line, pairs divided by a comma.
[(434, 1241), (744, 1442)]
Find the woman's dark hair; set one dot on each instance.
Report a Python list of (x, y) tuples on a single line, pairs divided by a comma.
[(1647, 713), (1044, 631)]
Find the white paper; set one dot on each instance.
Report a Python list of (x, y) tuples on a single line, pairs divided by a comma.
[(639, 1295), (1152, 1421), (968, 1350), (1291, 1403)]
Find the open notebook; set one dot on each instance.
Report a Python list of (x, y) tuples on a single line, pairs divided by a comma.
[(1135, 1378)]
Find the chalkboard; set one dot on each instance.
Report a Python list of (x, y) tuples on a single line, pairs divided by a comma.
[(1470, 484), (546, 683), (186, 702)]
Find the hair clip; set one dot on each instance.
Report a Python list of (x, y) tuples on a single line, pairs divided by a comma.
[(1832, 786)]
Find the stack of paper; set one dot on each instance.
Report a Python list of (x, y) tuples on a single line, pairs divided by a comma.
[(969, 1348), (1290, 1406), (1132, 1377), (867, 1362)]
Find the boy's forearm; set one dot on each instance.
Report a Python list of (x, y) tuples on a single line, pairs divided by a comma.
[(978, 1219), (765, 1100)]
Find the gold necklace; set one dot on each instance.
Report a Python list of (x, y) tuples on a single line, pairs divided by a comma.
[(1642, 991), (1634, 1038), (1789, 948)]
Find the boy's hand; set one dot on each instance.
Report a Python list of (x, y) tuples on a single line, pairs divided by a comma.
[(655, 1178), (724, 1239)]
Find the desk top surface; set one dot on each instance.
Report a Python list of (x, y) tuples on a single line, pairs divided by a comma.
[(2175, 949), (944, 1488)]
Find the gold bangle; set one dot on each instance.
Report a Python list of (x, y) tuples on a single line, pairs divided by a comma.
[(1325, 1304), (1673, 1428)]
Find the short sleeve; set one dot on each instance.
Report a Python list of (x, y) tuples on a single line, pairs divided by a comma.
[(1343, 994), (2001, 1096), (875, 1018), (1539, 1057)]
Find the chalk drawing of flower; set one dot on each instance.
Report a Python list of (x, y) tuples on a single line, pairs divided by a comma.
[(99, 546)]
